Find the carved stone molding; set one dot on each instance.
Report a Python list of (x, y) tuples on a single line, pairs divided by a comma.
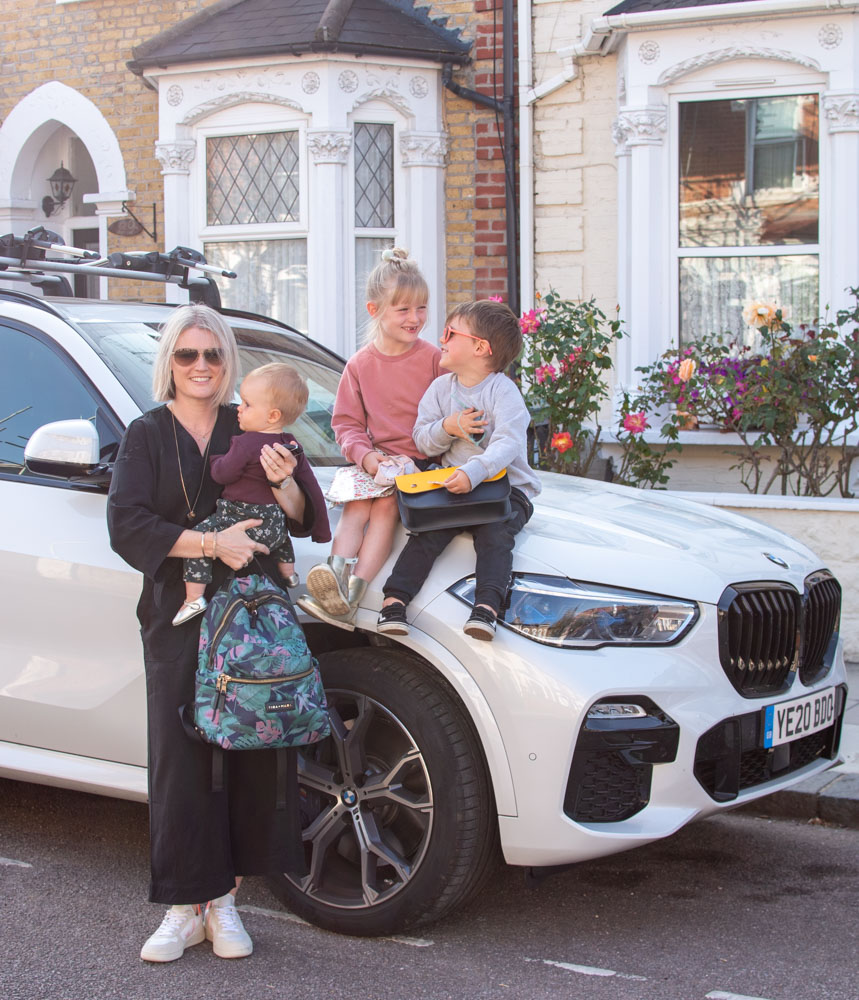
[(233, 98), (830, 36), (618, 136), (176, 157), (329, 147), (704, 59), (423, 149), (640, 127), (841, 112), (386, 93)]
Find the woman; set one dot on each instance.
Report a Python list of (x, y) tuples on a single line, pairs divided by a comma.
[(201, 841)]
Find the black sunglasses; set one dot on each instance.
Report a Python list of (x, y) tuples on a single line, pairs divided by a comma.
[(187, 356)]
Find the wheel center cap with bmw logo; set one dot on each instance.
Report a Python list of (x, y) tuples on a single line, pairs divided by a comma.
[(349, 797)]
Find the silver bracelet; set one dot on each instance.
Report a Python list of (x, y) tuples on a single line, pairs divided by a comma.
[(214, 543), (203, 544)]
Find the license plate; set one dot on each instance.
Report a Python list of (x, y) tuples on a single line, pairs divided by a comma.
[(791, 720)]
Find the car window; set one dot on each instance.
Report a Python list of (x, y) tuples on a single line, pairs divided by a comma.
[(38, 384), (129, 349)]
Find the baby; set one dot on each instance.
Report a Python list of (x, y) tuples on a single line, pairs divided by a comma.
[(271, 396)]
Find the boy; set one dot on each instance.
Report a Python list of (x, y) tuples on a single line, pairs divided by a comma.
[(476, 419), (272, 397)]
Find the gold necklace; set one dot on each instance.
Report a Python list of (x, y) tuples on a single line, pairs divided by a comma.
[(191, 507)]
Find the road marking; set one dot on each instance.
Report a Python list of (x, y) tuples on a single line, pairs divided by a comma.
[(588, 970), (10, 862), (293, 919), (722, 995)]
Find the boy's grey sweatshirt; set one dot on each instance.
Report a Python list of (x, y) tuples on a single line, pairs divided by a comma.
[(504, 443)]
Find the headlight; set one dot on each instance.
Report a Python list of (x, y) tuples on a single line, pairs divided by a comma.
[(561, 612)]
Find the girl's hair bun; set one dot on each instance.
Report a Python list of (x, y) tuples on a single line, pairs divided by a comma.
[(394, 255)]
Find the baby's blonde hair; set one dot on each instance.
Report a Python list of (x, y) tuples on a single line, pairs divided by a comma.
[(287, 389), (396, 278)]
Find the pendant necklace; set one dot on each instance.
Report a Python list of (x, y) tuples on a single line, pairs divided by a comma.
[(191, 507)]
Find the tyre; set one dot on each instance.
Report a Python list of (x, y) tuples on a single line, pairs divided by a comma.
[(398, 817)]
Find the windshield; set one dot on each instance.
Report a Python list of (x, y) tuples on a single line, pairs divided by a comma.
[(129, 349)]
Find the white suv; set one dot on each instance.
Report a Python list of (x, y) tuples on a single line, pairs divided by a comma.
[(657, 661)]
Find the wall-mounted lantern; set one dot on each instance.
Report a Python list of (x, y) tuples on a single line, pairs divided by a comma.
[(61, 182)]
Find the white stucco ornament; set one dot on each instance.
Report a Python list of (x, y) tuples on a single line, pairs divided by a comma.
[(418, 86), (640, 127), (841, 112), (175, 95), (348, 81), (176, 157), (423, 149), (329, 147), (648, 52), (830, 36), (310, 82)]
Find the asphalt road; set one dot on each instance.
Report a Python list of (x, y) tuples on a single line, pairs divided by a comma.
[(736, 906)]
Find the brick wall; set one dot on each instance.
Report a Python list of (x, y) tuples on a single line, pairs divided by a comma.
[(85, 45), (474, 184)]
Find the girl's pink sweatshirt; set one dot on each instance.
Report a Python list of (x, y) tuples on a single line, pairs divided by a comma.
[(377, 400)]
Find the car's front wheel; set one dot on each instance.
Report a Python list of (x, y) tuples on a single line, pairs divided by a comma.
[(398, 817)]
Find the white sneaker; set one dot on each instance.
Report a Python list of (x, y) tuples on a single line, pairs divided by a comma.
[(181, 927), (224, 928)]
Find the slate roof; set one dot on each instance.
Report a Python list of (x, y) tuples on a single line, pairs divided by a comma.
[(242, 28), (641, 6)]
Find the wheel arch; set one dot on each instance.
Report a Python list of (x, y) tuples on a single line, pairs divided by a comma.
[(325, 638)]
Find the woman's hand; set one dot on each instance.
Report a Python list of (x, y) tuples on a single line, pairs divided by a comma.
[(457, 483), (277, 461), (464, 423), (235, 547)]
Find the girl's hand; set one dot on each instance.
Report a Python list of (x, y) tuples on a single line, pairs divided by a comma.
[(277, 461), (371, 462), (235, 548), (458, 483), (465, 423)]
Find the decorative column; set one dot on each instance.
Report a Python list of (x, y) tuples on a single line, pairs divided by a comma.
[(327, 237), (841, 113), (643, 286), (176, 158), (423, 154)]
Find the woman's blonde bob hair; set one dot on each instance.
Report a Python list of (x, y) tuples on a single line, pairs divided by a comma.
[(182, 319)]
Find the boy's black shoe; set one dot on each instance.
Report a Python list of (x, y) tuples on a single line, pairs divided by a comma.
[(481, 624), (392, 620)]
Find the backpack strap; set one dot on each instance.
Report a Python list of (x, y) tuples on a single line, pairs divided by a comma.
[(217, 769)]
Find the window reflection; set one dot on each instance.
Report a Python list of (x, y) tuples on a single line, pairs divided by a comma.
[(749, 172)]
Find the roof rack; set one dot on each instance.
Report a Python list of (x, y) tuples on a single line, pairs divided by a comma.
[(24, 258)]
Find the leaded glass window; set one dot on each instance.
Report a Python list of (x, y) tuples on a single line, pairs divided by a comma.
[(749, 198), (252, 179), (374, 176)]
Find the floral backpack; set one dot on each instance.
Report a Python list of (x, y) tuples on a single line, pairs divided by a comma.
[(257, 684)]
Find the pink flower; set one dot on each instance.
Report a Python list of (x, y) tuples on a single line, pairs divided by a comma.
[(496, 298), (635, 423), (562, 442), (530, 321), (544, 372)]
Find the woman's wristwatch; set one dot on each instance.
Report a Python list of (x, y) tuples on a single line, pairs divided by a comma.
[(281, 485)]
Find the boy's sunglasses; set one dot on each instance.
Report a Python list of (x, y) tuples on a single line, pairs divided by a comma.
[(449, 331), (187, 356)]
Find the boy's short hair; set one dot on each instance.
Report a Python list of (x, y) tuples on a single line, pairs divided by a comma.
[(495, 323), (287, 389)]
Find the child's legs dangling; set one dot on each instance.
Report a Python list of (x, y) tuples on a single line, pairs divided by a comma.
[(349, 533), (378, 538)]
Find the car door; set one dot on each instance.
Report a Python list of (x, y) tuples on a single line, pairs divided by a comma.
[(70, 664)]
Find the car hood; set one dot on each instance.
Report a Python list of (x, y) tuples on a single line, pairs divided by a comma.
[(649, 540)]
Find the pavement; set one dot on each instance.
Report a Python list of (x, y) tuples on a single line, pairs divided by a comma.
[(833, 795)]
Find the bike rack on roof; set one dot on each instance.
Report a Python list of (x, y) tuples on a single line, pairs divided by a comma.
[(24, 258)]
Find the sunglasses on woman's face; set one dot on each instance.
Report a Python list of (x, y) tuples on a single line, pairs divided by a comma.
[(449, 331), (187, 356)]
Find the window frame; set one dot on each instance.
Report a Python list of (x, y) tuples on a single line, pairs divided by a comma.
[(368, 114), (109, 416), (692, 93)]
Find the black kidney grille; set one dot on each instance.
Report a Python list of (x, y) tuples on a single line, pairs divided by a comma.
[(758, 637), (821, 612)]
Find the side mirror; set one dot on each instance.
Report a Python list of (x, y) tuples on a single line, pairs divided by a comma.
[(65, 448)]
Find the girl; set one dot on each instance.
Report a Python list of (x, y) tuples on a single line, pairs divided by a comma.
[(374, 413)]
